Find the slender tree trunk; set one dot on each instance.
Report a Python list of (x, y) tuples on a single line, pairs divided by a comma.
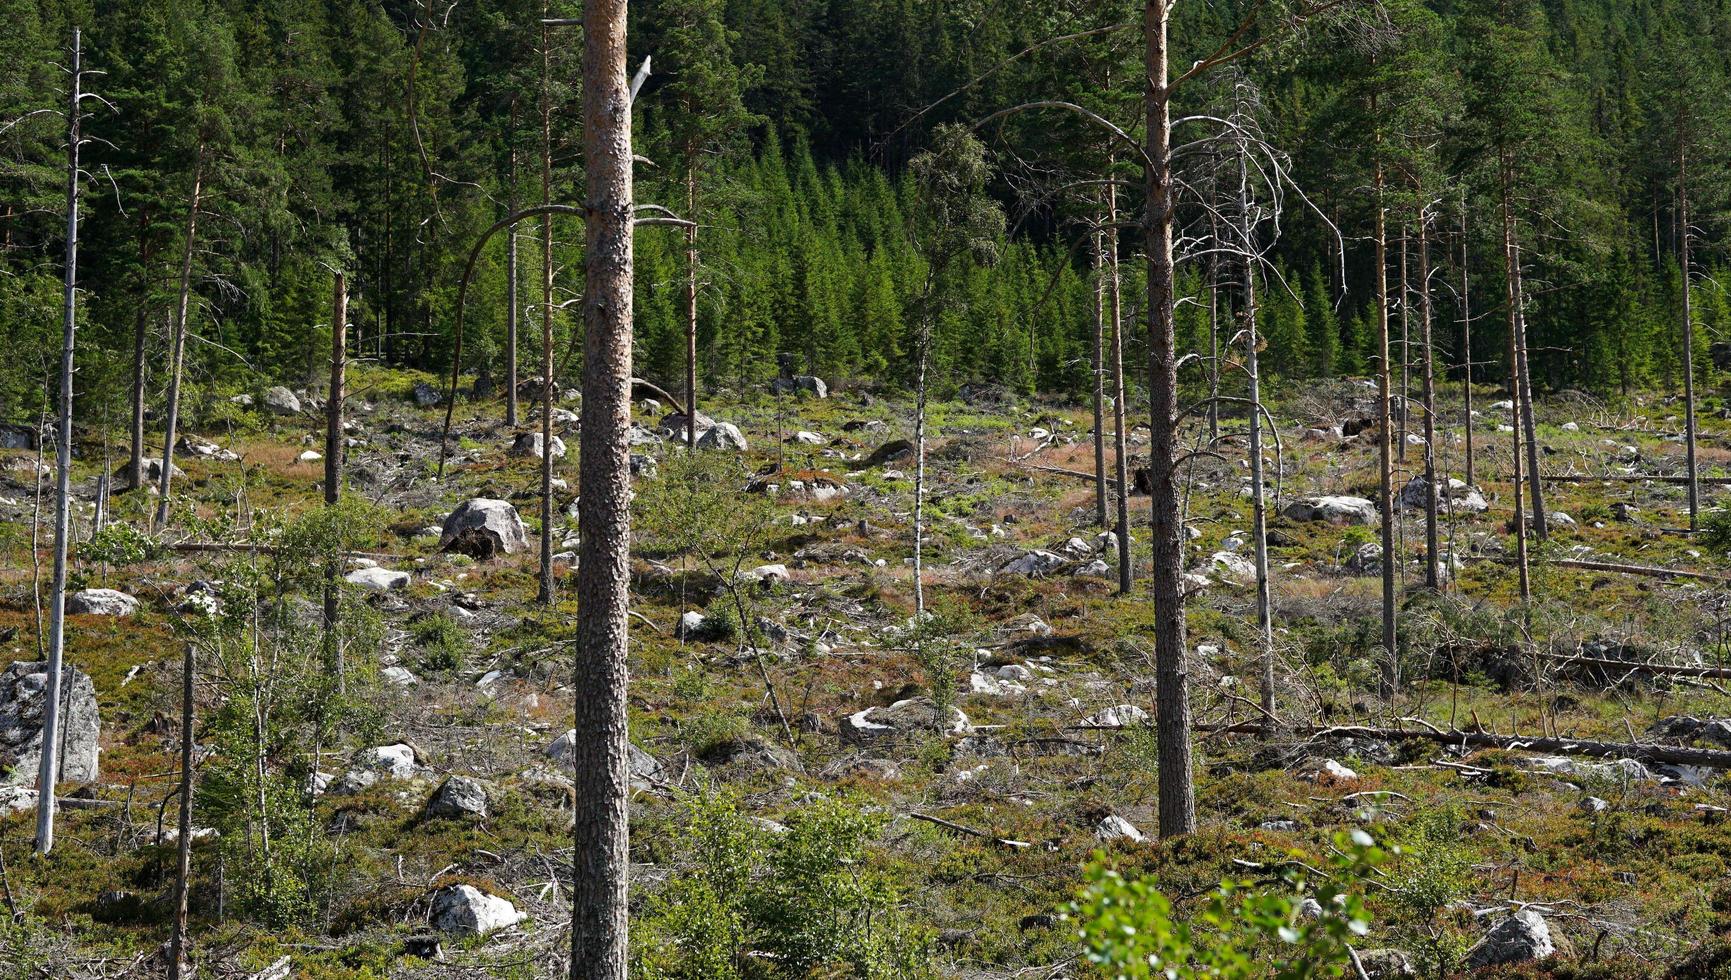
[(135, 459), (1467, 342), (1688, 330), (511, 287), (1172, 682), (183, 846), (691, 303), (177, 357), (1099, 379), (1259, 498), (545, 595), (1405, 352), (599, 950), (924, 341), (1213, 334), (1121, 446), (1511, 268), (1534, 482), (48, 771), (334, 464), (1432, 540), (1385, 449)]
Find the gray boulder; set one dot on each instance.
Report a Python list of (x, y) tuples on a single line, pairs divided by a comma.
[(1520, 938), (23, 687), (1033, 563), (801, 384), (458, 797), (101, 602), (466, 910), (1455, 496), (722, 435), (483, 527), (529, 444), (378, 579), (425, 395), (281, 401), (1332, 509)]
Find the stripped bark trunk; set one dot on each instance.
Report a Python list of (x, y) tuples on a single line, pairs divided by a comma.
[(1385, 477), (1511, 266), (1466, 343), (691, 303), (177, 357), (1527, 422), (1432, 540), (1099, 378), (1688, 327), (511, 288), (1177, 789), (601, 876), (1405, 348), (48, 771), (183, 846), (334, 464), (1120, 445), (1259, 498), (545, 594)]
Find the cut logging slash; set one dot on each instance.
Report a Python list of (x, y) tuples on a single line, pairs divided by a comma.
[(1615, 568), (1671, 755), (970, 832)]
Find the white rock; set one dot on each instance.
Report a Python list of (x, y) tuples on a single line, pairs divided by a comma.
[(766, 574), (1333, 770), (911, 714), (1114, 827), (467, 910), (1118, 716), (310, 456), (1333, 509), (101, 602), (483, 527), (1231, 568), (1033, 563), (399, 676), (1520, 938), (722, 435), (378, 579)]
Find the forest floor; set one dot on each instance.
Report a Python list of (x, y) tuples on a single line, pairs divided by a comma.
[(973, 832)]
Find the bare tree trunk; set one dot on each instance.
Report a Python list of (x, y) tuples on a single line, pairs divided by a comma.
[(1432, 540), (1405, 348), (1120, 445), (1258, 493), (1527, 420), (135, 459), (1213, 333), (1172, 683), (1099, 378), (924, 340), (691, 303), (48, 771), (1385, 451), (599, 950), (511, 287), (177, 357), (545, 595), (334, 463), (1511, 267), (1467, 342), (183, 846), (1688, 330)]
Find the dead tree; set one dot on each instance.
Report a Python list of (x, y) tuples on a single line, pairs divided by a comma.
[(48, 771), (1511, 278), (1099, 378), (177, 357), (183, 845), (1466, 343), (511, 287), (1432, 541), (1121, 446), (1385, 454), (545, 595), (601, 875), (1688, 321), (333, 462)]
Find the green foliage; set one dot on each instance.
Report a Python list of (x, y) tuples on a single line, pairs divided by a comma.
[(810, 900), (1129, 931), (120, 544), (442, 642)]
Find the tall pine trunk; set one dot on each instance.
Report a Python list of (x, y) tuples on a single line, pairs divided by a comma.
[(183, 845), (545, 593), (1099, 379), (1688, 325), (1432, 540), (334, 464), (691, 302), (1121, 446), (1511, 278), (1177, 788), (511, 287), (1467, 342), (48, 770), (1258, 490), (599, 950), (140, 332)]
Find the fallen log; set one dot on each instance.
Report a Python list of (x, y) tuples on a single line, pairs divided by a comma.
[(1670, 755), (1616, 568), (224, 547), (969, 831), (1714, 481), (1638, 666)]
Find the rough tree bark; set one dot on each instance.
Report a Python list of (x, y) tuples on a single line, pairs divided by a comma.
[(600, 879), (1524, 401), (177, 357), (48, 771), (1172, 684)]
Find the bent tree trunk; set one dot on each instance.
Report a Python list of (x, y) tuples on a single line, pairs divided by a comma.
[(600, 877), (1171, 682)]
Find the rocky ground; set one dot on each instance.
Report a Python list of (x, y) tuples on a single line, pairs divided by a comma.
[(933, 791)]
